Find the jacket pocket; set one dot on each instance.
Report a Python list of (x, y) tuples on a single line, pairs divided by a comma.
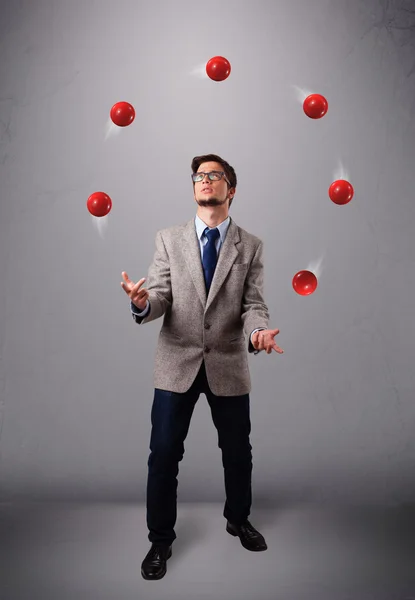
[(235, 340), (170, 334)]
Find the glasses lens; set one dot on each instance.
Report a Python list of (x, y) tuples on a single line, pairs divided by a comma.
[(213, 176)]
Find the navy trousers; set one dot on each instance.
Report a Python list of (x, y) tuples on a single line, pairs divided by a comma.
[(170, 418)]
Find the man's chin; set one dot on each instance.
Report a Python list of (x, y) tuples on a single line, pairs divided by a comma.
[(210, 202)]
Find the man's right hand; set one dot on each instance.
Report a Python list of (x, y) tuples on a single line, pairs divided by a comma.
[(138, 297)]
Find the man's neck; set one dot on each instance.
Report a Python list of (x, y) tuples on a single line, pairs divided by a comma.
[(212, 219)]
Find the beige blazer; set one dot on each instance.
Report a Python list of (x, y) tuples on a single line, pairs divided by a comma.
[(212, 328)]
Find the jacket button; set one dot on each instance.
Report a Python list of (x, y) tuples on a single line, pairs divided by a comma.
[(207, 349), (207, 326)]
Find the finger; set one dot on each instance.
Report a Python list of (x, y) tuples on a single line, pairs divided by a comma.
[(126, 287), (137, 286), (143, 294), (278, 349), (262, 339), (140, 293)]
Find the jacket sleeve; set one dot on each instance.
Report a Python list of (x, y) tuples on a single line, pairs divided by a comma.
[(158, 285), (254, 313), (138, 315)]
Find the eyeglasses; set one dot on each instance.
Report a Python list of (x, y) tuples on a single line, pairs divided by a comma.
[(213, 176)]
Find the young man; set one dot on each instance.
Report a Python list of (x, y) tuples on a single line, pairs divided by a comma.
[(206, 278)]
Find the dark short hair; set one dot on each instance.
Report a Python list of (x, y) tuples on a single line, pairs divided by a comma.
[(229, 171)]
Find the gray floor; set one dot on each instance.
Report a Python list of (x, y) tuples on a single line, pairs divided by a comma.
[(77, 552)]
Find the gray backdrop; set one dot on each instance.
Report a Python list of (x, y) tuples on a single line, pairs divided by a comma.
[(333, 418)]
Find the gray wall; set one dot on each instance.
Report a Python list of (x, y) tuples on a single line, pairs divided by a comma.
[(333, 418)]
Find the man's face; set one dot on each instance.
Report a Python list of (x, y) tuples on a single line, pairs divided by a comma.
[(212, 193)]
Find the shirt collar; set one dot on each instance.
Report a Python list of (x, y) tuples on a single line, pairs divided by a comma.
[(201, 226)]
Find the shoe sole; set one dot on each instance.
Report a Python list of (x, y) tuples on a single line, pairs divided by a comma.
[(161, 575), (232, 532)]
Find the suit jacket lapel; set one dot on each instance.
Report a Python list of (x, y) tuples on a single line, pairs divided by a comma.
[(227, 256)]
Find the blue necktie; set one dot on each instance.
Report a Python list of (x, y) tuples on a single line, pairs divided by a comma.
[(210, 256)]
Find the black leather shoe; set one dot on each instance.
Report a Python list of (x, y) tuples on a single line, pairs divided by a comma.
[(154, 565), (250, 538)]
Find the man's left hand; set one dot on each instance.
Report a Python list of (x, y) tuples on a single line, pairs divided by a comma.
[(264, 340)]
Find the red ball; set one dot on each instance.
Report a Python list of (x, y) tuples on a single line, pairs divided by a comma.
[(99, 204), (304, 283), (122, 114), (341, 191), (218, 68), (315, 106)]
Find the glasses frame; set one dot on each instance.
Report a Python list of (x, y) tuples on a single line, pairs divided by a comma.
[(221, 173)]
